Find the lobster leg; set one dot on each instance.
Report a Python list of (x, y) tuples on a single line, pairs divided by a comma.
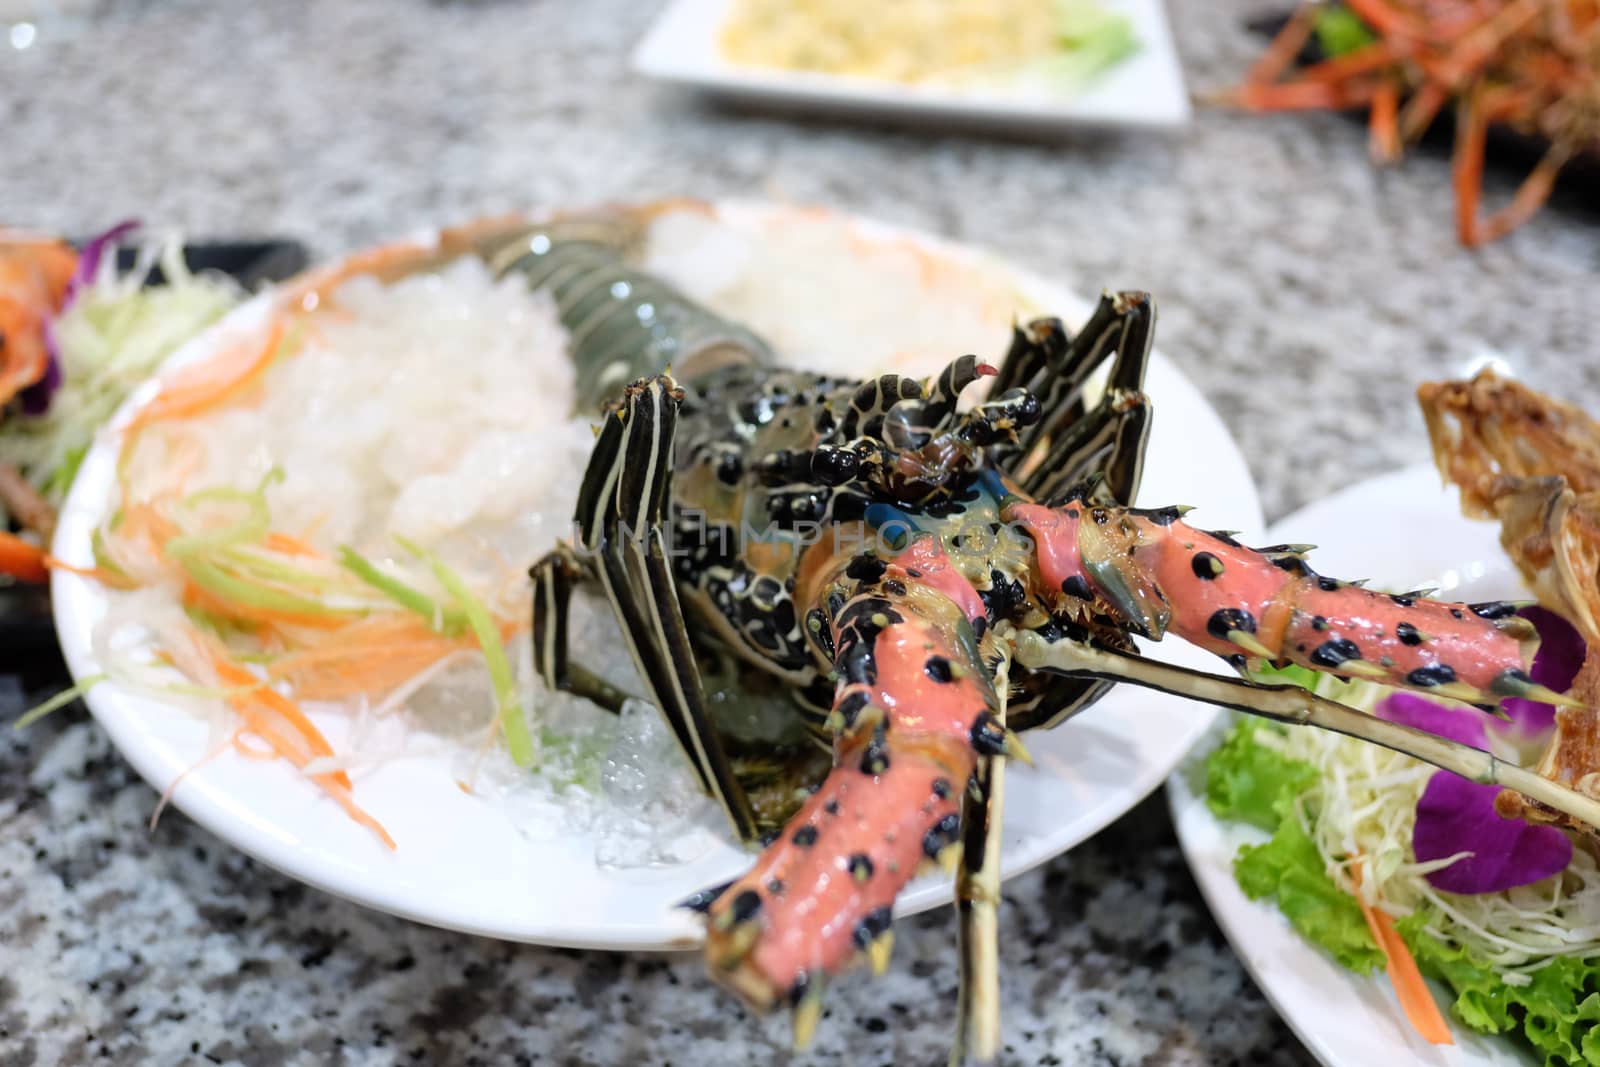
[(978, 902), (1111, 439), (552, 592), (913, 712), (621, 510), (1058, 366), (1295, 705)]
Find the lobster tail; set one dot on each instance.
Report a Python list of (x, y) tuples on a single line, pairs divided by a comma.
[(624, 323)]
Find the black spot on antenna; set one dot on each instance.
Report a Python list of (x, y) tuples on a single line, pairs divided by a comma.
[(875, 757), (851, 706), (745, 906), (941, 836), (1408, 634), (873, 925), (938, 668), (1226, 620), (988, 736), (1333, 653), (805, 837), (1428, 677), (860, 867), (1206, 566)]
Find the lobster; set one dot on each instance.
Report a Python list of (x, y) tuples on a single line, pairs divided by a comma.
[(926, 582)]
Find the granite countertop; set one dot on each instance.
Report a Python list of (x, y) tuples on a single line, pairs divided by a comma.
[(1305, 292)]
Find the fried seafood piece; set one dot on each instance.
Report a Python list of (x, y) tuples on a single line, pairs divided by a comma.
[(34, 273), (1533, 463), (1571, 757)]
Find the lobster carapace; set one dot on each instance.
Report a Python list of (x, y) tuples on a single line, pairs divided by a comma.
[(927, 580)]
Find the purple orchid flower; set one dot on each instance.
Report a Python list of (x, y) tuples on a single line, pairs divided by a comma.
[(36, 397), (1455, 815)]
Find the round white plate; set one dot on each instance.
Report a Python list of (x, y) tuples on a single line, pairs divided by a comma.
[(1404, 531), (462, 864)]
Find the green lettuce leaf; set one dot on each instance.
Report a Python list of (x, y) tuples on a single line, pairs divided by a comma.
[(1556, 1012), (1250, 782), (1289, 868)]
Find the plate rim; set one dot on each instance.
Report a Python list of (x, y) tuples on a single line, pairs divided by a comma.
[(657, 56), (257, 840)]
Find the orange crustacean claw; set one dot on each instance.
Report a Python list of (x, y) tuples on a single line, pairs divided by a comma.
[(34, 272)]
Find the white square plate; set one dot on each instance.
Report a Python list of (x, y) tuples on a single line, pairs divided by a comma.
[(1145, 89)]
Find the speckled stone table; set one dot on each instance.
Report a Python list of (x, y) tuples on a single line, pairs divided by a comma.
[(1303, 290)]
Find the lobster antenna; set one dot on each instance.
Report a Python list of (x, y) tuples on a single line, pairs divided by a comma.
[(1300, 707)]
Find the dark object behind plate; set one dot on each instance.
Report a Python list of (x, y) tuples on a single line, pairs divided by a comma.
[(1504, 148), (27, 637), (250, 263)]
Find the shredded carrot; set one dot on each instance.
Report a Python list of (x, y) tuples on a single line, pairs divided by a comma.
[(145, 519), (373, 655), (1416, 1000), (195, 596), (249, 751), (208, 385), (22, 560), (291, 545), (262, 694), (1276, 59), (1467, 165), (265, 710), (1383, 124), (99, 574)]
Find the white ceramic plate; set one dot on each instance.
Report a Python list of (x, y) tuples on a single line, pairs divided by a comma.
[(1402, 530), (1145, 89), (461, 863)]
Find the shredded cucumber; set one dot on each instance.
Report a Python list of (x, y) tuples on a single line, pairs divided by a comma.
[(447, 621), (60, 700), (515, 727)]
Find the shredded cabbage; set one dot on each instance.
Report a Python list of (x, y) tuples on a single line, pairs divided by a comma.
[(1523, 961), (1365, 802), (112, 337)]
